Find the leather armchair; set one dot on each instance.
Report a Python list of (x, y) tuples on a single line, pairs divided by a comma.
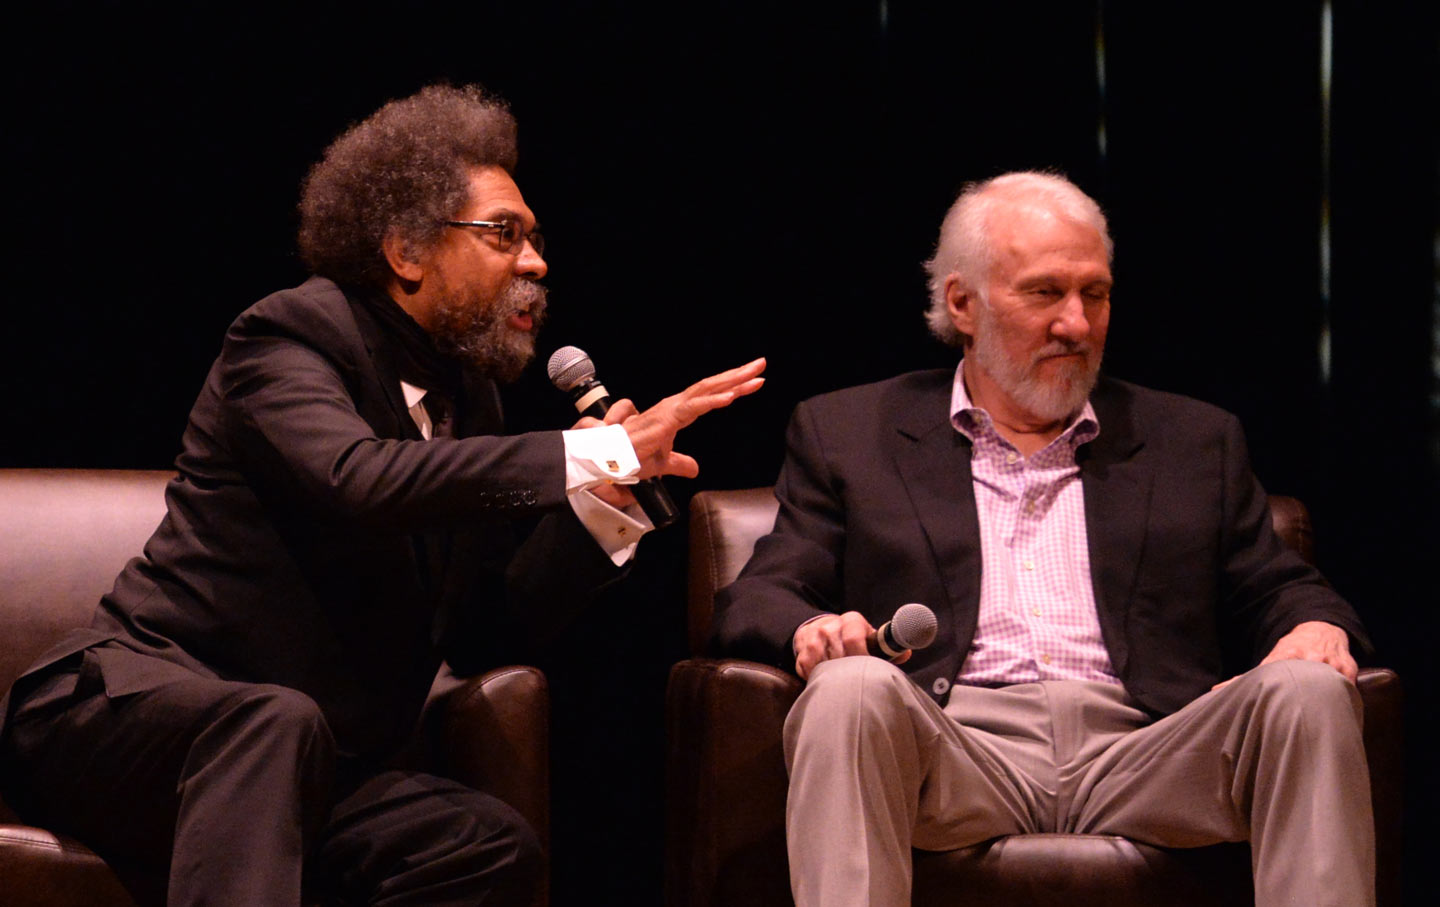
[(65, 534), (726, 783)]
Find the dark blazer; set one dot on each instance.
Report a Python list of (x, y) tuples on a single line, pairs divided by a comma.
[(877, 508), (312, 539)]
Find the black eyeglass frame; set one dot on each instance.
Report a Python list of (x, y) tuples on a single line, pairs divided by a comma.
[(512, 244)]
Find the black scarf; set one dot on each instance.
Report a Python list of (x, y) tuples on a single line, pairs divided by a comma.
[(416, 357)]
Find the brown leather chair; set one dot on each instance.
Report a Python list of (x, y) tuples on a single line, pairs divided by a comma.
[(65, 534), (726, 781)]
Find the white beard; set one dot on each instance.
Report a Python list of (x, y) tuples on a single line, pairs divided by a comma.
[(1048, 399)]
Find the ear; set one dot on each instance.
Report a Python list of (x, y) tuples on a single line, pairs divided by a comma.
[(401, 257), (961, 302)]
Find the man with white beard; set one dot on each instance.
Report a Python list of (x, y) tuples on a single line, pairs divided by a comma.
[(1124, 645)]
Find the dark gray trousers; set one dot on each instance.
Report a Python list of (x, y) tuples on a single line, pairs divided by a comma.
[(233, 791)]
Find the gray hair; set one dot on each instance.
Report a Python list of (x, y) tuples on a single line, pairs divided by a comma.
[(964, 245)]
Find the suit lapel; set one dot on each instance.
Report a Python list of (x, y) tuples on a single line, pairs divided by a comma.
[(393, 419), (1117, 487), (934, 465)]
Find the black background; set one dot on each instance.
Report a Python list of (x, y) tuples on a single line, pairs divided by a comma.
[(721, 181)]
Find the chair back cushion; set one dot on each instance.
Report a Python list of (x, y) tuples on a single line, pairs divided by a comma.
[(724, 526), (64, 536)]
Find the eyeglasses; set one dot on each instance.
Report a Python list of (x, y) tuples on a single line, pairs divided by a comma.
[(511, 233)]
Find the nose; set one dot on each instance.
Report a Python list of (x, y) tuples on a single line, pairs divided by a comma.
[(529, 263), (1071, 323)]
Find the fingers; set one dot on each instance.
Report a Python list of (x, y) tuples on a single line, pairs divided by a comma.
[(718, 391), (652, 432), (678, 464), (617, 496), (729, 379), (620, 410), (1317, 641), (831, 636), (1346, 666)]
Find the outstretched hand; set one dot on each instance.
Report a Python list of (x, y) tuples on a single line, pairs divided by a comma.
[(652, 432)]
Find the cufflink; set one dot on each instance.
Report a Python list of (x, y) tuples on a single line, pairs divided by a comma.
[(612, 465)]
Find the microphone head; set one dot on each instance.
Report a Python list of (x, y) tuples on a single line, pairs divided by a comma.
[(913, 626), (569, 366)]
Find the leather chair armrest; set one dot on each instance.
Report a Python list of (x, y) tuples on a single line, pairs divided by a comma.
[(1383, 696), (492, 733), (42, 869), (726, 787)]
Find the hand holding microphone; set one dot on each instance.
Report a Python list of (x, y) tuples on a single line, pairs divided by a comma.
[(652, 432), (913, 627)]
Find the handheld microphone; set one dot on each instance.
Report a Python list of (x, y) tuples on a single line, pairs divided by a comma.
[(913, 627), (571, 371)]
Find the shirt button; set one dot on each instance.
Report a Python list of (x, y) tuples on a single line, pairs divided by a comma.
[(1045, 658), (941, 686), (1011, 458), (1028, 564), (1035, 611)]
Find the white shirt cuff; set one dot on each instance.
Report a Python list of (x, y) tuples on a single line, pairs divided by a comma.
[(596, 456), (617, 531)]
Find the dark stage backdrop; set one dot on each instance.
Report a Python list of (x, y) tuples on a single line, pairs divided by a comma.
[(725, 180)]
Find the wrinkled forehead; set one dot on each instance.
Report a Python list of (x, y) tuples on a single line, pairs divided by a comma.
[(494, 195), (1027, 229)]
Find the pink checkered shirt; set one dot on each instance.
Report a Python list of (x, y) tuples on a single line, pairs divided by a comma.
[(1037, 603)]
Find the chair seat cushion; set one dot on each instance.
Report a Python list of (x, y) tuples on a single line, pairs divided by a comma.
[(1085, 871)]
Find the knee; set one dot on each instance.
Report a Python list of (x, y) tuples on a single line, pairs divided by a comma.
[(278, 718), (1300, 693), (407, 838), (526, 862), (857, 689), (498, 846), (856, 677)]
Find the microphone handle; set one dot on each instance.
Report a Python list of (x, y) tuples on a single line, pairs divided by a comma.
[(882, 643), (652, 497), (592, 400)]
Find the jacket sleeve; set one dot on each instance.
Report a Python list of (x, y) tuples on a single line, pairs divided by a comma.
[(290, 407), (1267, 589), (795, 573)]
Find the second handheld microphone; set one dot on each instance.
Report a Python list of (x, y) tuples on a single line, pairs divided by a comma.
[(913, 627), (571, 370)]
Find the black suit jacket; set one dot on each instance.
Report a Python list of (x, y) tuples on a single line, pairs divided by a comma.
[(877, 508), (312, 539)]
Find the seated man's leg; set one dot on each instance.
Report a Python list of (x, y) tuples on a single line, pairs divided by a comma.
[(403, 837), (224, 782), (1275, 757), (860, 742)]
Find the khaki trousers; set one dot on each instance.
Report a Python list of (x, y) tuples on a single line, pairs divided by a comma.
[(1275, 757)]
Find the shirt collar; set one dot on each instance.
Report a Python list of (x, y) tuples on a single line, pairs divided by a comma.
[(413, 394), (971, 420)]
